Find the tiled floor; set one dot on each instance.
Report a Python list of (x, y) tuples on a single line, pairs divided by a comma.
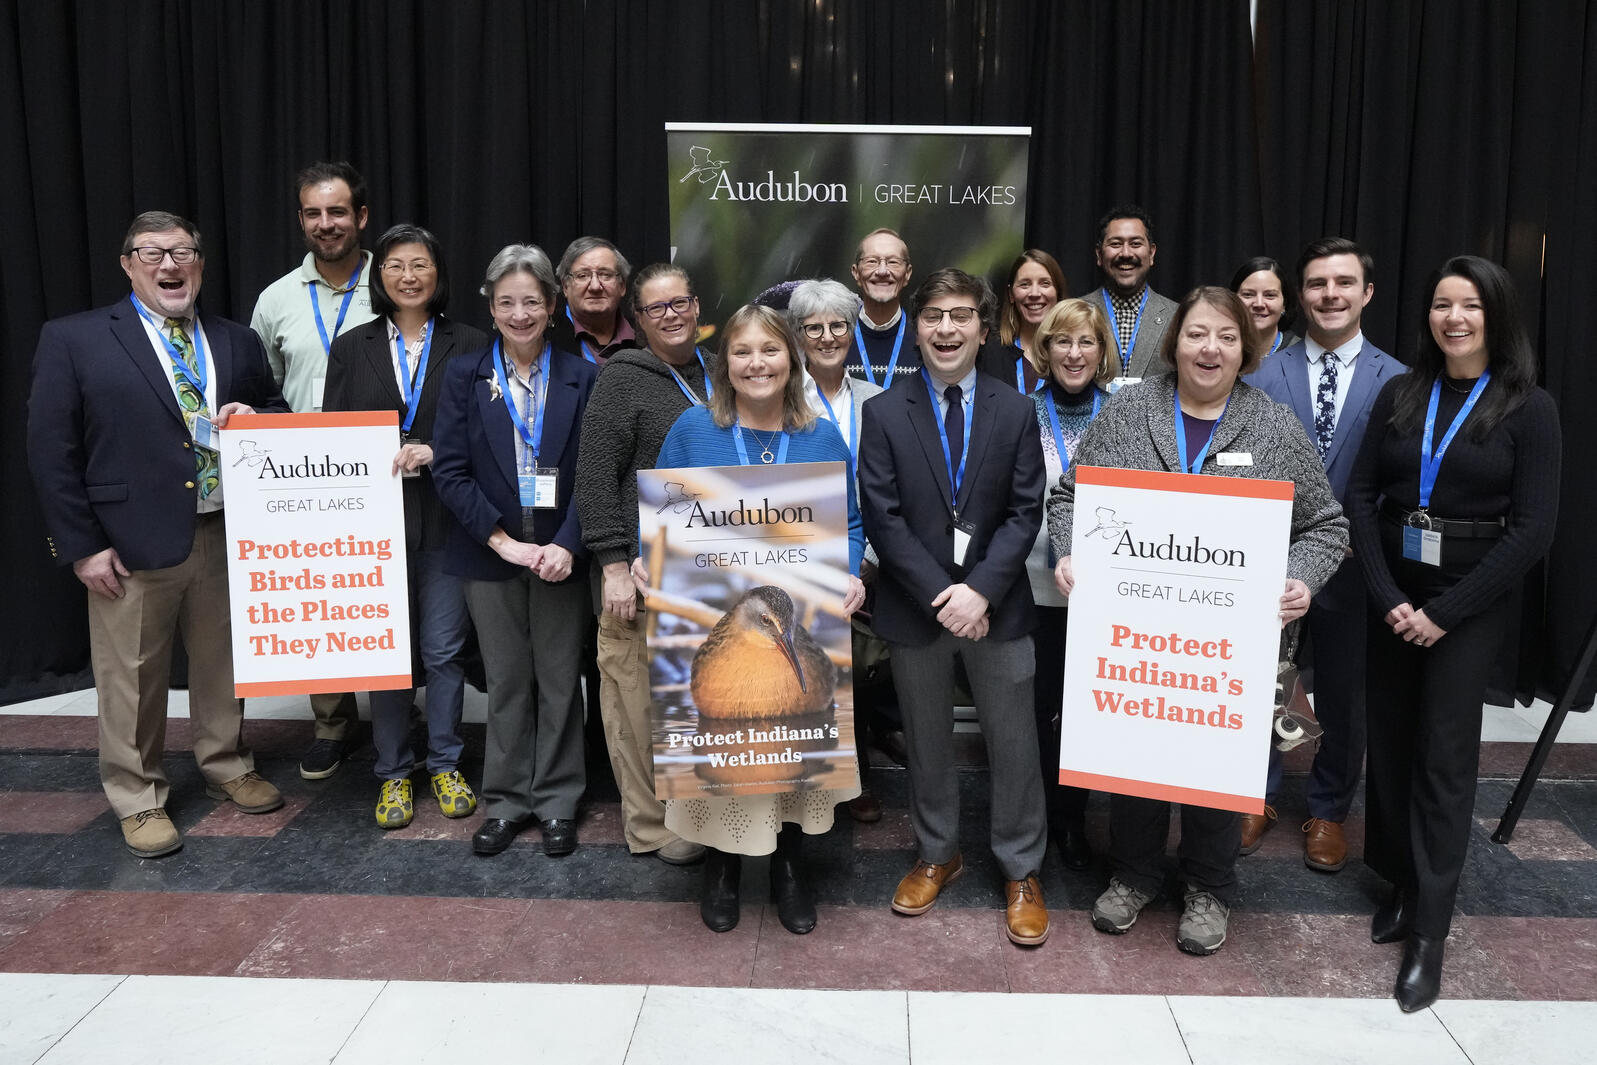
[(355, 944)]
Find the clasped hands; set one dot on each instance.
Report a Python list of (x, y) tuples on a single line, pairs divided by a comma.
[(1413, 626), (962, 611), (550, 562)]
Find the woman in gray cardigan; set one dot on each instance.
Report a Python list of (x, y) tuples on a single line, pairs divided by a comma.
[(1210, 344)]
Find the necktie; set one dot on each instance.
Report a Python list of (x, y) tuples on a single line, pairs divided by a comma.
[(1325, 404), (191, 401), (954, 426)]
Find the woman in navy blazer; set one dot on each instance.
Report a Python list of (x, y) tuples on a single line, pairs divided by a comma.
[(508, 425), (397, 362)]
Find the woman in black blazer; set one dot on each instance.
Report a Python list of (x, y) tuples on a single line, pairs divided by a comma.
[(508, 424), (397, 362)]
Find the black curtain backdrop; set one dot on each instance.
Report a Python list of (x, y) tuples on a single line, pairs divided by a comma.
[(1422, 129)]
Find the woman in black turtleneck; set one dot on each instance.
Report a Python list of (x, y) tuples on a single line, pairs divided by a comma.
[(1072, 354), (1451, 502)]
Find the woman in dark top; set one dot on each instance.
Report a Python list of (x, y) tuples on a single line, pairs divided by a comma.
[(1452, 501)]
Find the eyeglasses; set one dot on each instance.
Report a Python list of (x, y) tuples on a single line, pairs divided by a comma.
[(151, 254), (680, 305), (892, 262), (816, 330), (932, 317), (395, 267), (604, 277)]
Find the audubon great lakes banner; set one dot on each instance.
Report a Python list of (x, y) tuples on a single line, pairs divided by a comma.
[(755, 205), (750, 657)]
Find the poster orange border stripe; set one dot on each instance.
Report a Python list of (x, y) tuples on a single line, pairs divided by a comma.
[(314, 420), (257, 689), (1244, 804), (1197, 484)]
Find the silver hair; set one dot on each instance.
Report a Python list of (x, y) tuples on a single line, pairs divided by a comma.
[(823, 296), (582, 246), (524, 259)]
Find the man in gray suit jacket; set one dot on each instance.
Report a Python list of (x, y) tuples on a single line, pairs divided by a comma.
[(1137, 314), (1330, 380)]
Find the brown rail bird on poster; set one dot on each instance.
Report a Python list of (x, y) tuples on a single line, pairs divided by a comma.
[(759, 662)]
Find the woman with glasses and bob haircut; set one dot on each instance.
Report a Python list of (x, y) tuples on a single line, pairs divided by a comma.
[(399, 361)]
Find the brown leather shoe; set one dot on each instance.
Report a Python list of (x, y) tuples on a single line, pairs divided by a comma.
[(920, 887), (1025, 914), (865, 808), (250, 793), (1254, 826), (1324, 848)]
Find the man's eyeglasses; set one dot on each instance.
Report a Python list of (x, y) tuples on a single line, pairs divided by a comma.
[(816, 330), (151, 255), (604, 277), (892, 262), (932, 317), (395, 267), (680, 305)]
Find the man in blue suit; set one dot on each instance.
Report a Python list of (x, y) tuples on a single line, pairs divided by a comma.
[(1330, 380), (122, 421)]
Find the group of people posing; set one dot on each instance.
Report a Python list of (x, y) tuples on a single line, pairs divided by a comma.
[(961, 415)]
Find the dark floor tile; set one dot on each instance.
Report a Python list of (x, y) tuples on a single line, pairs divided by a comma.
[(48, 732), (1545, 839), (97, 859), (49, 811), (47, 771), (851, 947), (229, 820)]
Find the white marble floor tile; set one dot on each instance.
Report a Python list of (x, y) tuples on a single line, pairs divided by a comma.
[(1327, 1031), (1521, 1033), (170, 1020), (960, 1028), (451, 1024), (42, 1007), (737, 1026)]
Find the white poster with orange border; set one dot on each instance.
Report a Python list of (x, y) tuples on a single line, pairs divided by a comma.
[(1174, 635), (316, 568)]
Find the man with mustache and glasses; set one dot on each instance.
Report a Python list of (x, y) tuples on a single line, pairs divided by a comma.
[(298, 317), (1137, 314)]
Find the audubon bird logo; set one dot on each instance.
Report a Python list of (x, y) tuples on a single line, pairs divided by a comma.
[(704, 168), (1108, 526), (251, 454), (678, 498)]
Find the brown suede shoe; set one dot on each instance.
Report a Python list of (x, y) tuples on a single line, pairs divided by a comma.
[(919, 889), (1254, 826), (1025, 913), (1324, 848), (150, 833), (250, 793)]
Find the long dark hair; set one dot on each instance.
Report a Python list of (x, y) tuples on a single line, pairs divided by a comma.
[(1508, 352)]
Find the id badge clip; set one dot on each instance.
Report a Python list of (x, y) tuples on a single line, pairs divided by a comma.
[(539, 487), (1421, 541), (963, 532), (403, 440), (204, 433)]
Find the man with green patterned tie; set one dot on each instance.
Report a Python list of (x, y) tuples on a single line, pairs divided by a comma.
[(122, 419)]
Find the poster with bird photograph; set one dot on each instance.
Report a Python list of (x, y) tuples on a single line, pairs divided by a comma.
[(750, 664)]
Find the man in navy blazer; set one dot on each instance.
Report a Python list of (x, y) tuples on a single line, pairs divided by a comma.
[(951, 486), (121, 443), (1330, 380)]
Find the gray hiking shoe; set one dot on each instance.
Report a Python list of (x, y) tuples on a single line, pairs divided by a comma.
[(1203, 923), (1117, 908)]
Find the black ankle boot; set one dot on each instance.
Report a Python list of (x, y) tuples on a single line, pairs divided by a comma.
[(718, 904), (795, 906), (1394, 920), (1419, 978), (1074, 850)]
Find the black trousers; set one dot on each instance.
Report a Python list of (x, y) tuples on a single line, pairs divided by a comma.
[(1206, 857), (1067, 806), (1424, 757)]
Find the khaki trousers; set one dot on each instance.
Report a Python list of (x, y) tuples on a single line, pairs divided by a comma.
[(628, 733), (130, 647)]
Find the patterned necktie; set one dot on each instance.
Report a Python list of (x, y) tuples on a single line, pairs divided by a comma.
[(1325, 404), (191, 401), (954, 426)]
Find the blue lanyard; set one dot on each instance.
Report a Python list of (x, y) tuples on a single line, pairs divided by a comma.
[(179, 363), (1136, 325), (1429, 463), (1279, 336), (316, 309), (955, 477), (1181, 437), (412, 384), (1020, 375), (693, 401), (865, 358), (587, 352), (743, 454), (534, 438), (1059, 436), (853, 440)]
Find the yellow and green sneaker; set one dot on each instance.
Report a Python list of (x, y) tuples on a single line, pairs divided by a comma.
[(394, 806), (454, 795)]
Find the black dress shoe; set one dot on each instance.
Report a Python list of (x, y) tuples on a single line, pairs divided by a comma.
[(559, 836), (1074, 850), (1419, 978), (718, 905), (495, 835), (795, 906), (1394, 920)]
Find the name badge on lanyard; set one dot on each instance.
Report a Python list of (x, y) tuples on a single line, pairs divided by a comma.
[(204, 433), (537, 486), (1114, 325), (1422, 542), (963, 530), (892, 363), (412, 384)]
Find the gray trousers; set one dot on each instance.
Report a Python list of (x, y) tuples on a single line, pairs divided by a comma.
[(1000, 673), (530, 633)]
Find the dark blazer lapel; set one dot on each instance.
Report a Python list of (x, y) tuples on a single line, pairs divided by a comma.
[(127, 327), (496, 423), (923, 420), (981, 432), (219, 356), (559, 406), (1366, 379), (1294, 367), (380, 365)]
